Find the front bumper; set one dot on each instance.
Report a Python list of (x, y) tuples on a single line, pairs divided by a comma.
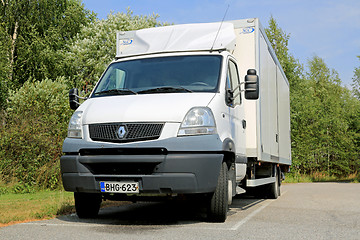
[(156, 171)]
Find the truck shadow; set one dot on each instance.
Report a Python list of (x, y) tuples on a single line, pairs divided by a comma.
[(159, 213), (243, 202)]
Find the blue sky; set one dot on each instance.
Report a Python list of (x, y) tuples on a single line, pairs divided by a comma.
[(329, 29)]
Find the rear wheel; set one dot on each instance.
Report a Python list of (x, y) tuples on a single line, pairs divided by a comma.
[(87, 205), (274, 188), (218, 207)]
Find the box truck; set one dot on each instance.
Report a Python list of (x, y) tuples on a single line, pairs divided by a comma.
[(192, 111)]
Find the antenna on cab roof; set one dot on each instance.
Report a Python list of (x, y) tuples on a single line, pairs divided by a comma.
[(219, 28)]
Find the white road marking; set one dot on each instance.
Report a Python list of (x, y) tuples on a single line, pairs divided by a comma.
[(252, 214)]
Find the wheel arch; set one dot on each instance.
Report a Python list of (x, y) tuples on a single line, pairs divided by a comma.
[(229, 152)]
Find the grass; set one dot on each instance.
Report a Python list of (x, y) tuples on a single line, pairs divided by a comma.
[(15, 208), (25, 207), (320, 177)]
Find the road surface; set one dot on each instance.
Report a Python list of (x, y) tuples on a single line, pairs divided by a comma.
[(304, 211)]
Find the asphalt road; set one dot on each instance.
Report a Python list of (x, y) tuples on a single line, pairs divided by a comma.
[(304, 211)]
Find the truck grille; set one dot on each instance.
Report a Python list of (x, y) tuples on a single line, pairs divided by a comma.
[(125, 132)]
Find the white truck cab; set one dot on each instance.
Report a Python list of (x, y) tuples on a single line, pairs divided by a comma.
[(192, 110)]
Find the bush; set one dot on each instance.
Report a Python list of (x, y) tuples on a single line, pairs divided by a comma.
[(31, 140)]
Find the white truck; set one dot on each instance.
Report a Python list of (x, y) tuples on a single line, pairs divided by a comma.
[(195, 110)]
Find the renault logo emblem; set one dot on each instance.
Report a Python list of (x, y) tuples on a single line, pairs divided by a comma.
[(121, 132)]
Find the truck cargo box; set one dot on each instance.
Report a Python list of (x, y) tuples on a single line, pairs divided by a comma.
[(268, 118)]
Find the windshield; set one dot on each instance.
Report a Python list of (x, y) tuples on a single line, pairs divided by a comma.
[(198, 73)]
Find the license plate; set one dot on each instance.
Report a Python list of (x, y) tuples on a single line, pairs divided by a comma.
[(119, 187)]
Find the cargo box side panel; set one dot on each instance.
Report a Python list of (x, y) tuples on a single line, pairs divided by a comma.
[(272, 108), (284, 119), (264, 117), (268, 105)]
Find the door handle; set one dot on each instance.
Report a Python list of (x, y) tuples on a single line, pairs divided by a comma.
[(243, 123)]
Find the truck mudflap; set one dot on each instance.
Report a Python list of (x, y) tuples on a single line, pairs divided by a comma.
[(181, 172)]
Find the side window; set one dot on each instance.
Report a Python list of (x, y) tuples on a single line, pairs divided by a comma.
[(228, 81), (233, 79)]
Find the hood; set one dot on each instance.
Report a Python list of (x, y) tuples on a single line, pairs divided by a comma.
[(168, 107)]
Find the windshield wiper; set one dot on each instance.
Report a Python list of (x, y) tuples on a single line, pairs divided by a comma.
[(123, 91), (165, 90)]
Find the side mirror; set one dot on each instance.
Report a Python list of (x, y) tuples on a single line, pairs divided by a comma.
[(251, 85), (74, 98)]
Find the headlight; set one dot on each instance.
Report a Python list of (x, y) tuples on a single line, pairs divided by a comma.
[(198, 121), (75, 130)]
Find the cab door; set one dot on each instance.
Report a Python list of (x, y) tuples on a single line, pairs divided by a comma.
[(236, 111)]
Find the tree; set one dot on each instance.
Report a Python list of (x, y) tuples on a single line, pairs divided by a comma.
[(326, 129), (356, 82), (326, 95), (34, 31), (94, 47), (4, 66)]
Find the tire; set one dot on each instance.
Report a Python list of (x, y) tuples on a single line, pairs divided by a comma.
[(274, 188), (87, 205), (218, 205)]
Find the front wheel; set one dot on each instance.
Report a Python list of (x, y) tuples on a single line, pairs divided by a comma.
[(218, 207), (87, 205)]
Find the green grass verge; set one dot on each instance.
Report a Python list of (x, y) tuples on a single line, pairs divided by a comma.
[(25, 207), (31, 206), (320, 177)]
